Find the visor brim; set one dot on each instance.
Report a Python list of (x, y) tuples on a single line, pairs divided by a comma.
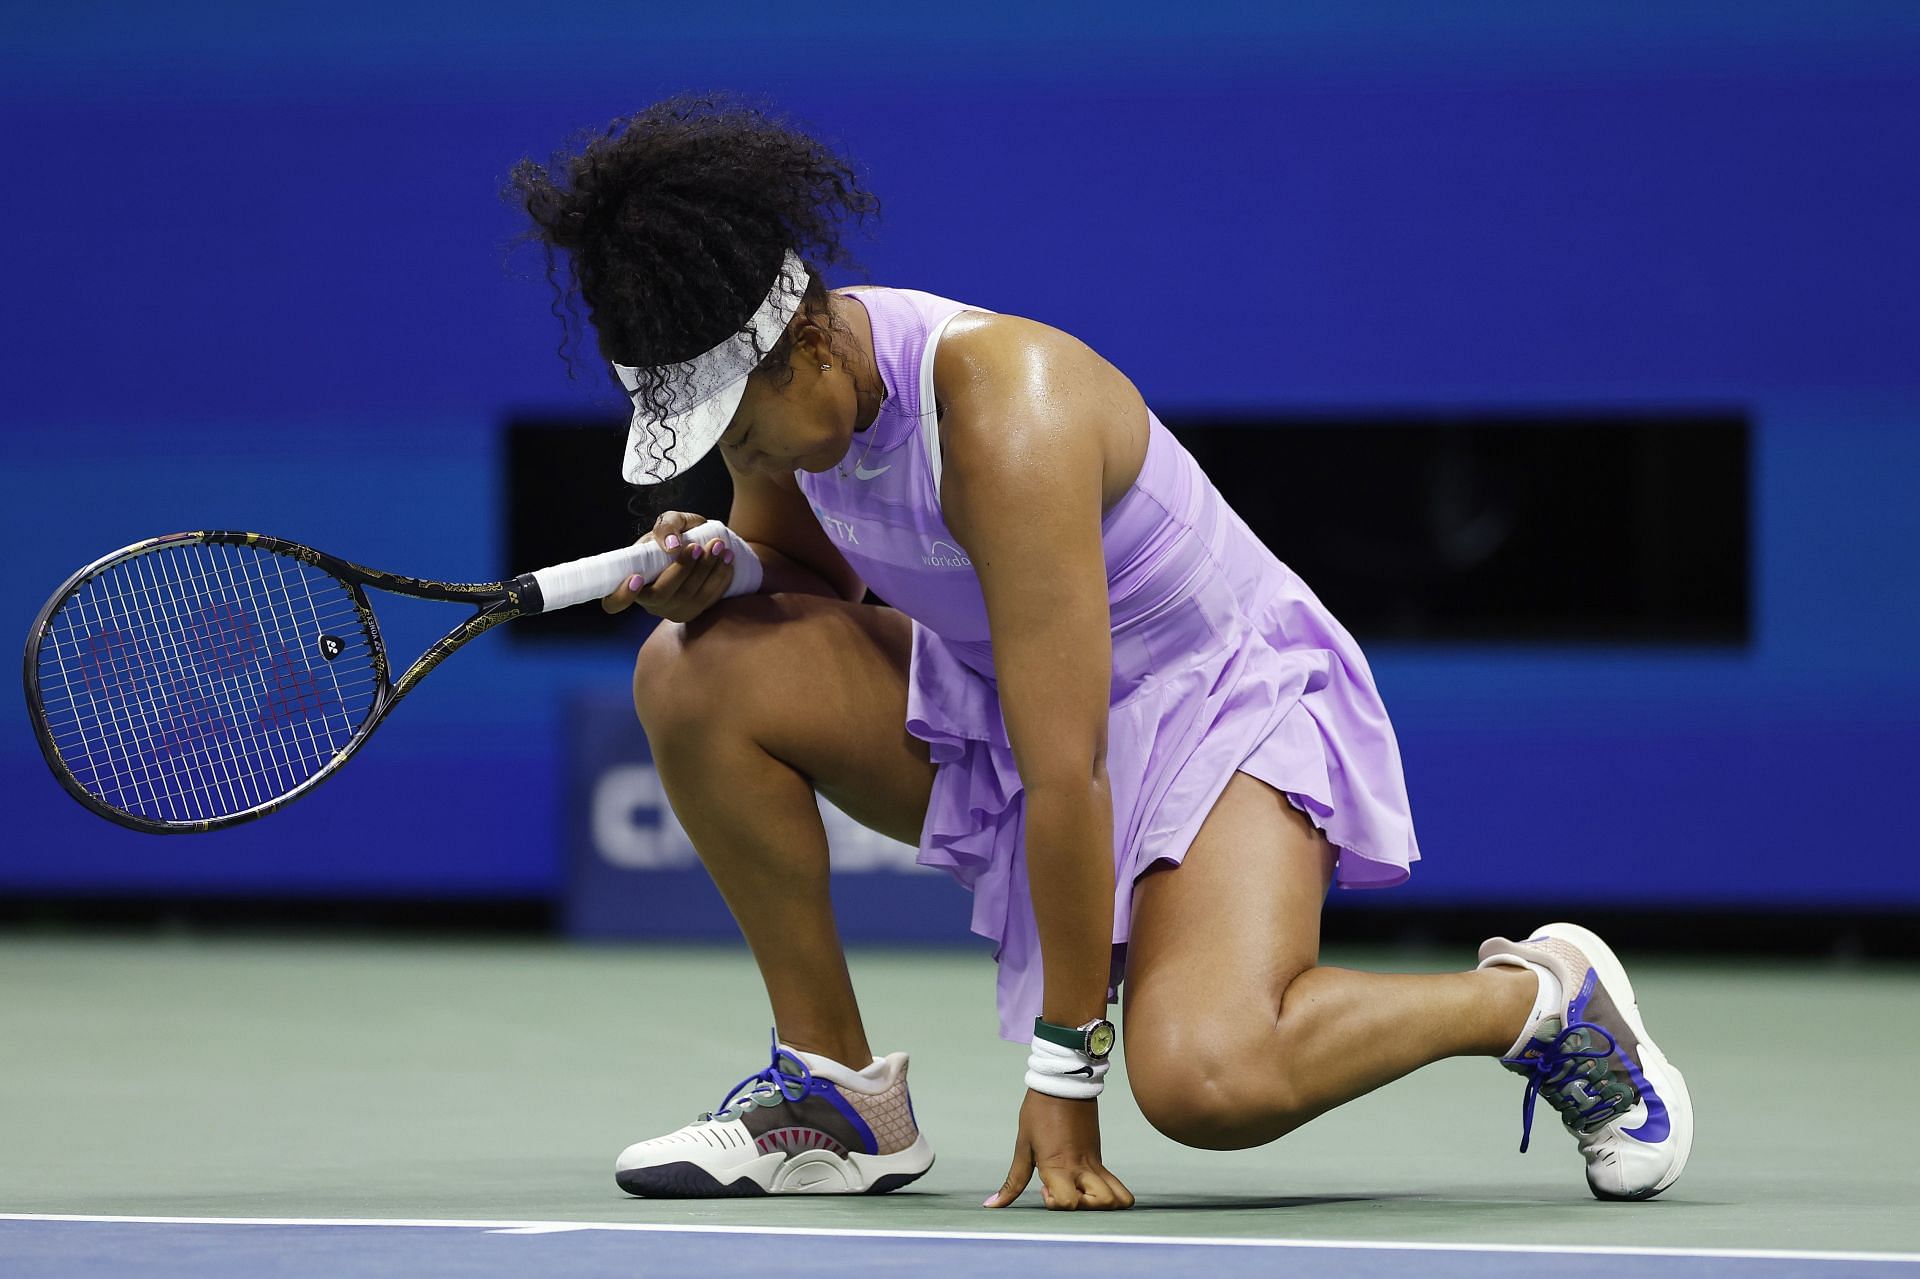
[(683, 439)]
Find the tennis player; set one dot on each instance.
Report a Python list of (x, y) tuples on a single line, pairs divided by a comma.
[(1093, 697)]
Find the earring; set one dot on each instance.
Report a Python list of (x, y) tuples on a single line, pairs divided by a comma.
[(825, 367)]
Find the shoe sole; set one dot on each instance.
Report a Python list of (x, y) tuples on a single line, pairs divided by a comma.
[(1666, 1078), (814, 1172)]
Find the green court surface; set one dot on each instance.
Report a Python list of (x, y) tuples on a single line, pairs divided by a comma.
[(497, 1081)]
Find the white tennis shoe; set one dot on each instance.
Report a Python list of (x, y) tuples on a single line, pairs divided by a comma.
[(1623, 1101), (804, 1125)]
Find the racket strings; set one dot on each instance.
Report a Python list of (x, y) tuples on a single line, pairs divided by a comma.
[(179, 731), (202, 680)]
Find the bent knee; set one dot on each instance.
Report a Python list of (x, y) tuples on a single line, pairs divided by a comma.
[(685, 669), (674, 675), (1215, 1095)]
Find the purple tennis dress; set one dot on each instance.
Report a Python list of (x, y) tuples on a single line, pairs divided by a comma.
[(1223, 660)]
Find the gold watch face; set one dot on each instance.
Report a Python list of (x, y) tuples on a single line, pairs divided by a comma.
[(1100, 1039)]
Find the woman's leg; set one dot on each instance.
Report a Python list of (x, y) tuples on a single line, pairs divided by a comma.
[(1234, 1033), (751, 708)]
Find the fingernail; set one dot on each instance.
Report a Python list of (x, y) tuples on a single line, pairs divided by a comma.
[(673, 541), (633, 583), (726, 557), (987, 1202), (694, 554)]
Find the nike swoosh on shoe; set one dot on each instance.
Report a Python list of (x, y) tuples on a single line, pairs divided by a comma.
[(1656, 1126)]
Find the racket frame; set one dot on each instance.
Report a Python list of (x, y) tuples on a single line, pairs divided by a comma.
[(494, 603)]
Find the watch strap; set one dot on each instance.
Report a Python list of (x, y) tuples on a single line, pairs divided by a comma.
[(1074, 1037)]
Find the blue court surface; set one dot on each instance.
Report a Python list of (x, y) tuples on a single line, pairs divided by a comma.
[(75, 1247)]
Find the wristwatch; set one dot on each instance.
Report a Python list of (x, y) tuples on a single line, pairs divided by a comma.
[(1095, 1039)]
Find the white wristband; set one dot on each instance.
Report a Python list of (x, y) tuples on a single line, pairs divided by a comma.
[(1059, 1071)]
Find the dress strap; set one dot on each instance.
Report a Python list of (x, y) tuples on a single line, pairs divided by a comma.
[(929, 410)]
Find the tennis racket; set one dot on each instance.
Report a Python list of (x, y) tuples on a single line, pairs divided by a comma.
[(200, 680)]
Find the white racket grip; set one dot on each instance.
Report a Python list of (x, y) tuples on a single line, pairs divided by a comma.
[(596, 576)]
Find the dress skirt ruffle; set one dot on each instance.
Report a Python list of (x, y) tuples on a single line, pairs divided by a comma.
[(1282, 693)]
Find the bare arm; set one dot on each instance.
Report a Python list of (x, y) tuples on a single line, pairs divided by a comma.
[(772, 515), (781, 572), (1022, 493)]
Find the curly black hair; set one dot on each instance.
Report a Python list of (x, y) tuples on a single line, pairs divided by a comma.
[(675, 221)]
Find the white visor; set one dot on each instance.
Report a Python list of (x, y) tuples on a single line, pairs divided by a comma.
[(707, 389)]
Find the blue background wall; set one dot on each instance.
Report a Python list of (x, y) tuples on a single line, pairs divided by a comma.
[(256, 275)]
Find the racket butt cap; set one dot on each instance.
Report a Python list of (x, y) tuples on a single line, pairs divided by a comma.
[(526, 593)]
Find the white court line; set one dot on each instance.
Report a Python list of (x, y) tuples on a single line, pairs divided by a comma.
[(992, 1236)]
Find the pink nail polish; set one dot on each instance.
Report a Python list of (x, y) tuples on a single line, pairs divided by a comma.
[(987, 1202), (633, 583), (694, 554), (672, 542), (726, 557)]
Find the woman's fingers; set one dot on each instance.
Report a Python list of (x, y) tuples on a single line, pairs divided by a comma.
[(628, 592), (672, 580), (716, 564), (1017, 1176), (1101, 1189), (1087, 1188), (1094, 1190), (621, 599), (693, 592), (691, 583), (1060, 1191), (670, 530), (695, 576)]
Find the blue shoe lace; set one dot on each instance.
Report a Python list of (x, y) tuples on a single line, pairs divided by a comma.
[(1554, 1065), (768, 1087)]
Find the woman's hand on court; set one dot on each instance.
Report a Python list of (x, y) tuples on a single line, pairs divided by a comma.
[(1061, 1138), (689, 585)]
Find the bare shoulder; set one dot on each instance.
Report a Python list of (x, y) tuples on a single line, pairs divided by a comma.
[(979, 345), (998, 368)]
